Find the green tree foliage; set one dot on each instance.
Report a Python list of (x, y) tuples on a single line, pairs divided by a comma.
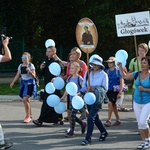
[(38, 20)]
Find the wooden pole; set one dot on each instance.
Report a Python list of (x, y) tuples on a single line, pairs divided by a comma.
[(88, 71)]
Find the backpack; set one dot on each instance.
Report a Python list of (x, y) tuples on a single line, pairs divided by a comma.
[(78, 80), (35, 78), (134, 63), (116, 72), (136, 75)]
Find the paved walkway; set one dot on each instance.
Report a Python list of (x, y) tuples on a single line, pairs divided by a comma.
[(49, 137)]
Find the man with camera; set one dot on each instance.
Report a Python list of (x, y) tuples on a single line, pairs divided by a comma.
[(4, 57)]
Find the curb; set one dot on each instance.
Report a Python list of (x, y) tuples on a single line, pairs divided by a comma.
[(17, 98)]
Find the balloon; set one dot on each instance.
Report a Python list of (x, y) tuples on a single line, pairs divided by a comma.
[(55, 69), (49, 88), (89, 98), (58, 83), (49, 43), (121, 53), (60, 108), (124, 62), (53, 100), (77, 102), (149, 44), (71, 88)]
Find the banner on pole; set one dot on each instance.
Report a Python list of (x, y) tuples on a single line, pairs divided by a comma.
[(86, 35), (133, 24)]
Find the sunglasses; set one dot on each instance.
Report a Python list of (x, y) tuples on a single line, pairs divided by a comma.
[(24, 57)]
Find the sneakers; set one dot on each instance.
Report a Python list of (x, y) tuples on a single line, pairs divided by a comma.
[(68, 130), (85, 142), (141, 146), (144, 145), (37, 122), (117, 123), (6, 145), (103, 136), (27, 119), (83, 128), (70, 134), (108, 123)]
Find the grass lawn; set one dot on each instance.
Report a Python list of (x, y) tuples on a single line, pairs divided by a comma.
[(6, 90)]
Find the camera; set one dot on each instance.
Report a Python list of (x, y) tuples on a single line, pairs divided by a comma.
[(3, 36)]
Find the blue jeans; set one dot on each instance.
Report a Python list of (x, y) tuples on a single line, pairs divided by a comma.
[(93, 118)]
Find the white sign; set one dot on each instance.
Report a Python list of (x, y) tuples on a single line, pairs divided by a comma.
[(133, 24)]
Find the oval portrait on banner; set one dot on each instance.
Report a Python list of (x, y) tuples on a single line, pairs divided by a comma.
[(86, 35)]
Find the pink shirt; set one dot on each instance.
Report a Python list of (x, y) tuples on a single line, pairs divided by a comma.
[(81, 73)]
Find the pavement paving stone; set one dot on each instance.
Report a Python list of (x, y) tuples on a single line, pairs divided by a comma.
[(49, 137)]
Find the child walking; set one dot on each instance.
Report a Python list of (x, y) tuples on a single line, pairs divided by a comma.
[(26, 71), (77, 79)]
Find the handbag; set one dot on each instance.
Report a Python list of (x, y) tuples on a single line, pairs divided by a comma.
[(117, 88), (119, 101)]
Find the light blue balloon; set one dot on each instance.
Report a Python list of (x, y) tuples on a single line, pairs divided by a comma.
[(77, 102), (120, 58), (124, 62), (49, 43), (89, 98), (58, 83), (60, 108), (54, 69), (49, 88), (53, 100), (71, 88), (121, 53)]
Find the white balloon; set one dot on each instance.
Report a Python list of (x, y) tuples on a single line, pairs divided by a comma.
[(58, 83), (71, 88), (77, 102), (49, 43), (149, 44), (60, 108), (53, 100), (49, 88), (89, 98), (54, 69)]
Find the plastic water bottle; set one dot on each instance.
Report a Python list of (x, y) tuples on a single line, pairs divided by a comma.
[(1, 135)]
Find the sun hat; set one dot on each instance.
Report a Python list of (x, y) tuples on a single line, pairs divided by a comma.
[(111, 59), (97, 61)]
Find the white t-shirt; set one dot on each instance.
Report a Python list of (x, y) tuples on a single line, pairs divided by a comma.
[(26, 76), (1, 58)]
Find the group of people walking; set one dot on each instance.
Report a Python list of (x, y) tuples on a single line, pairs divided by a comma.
[(99, 81)]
